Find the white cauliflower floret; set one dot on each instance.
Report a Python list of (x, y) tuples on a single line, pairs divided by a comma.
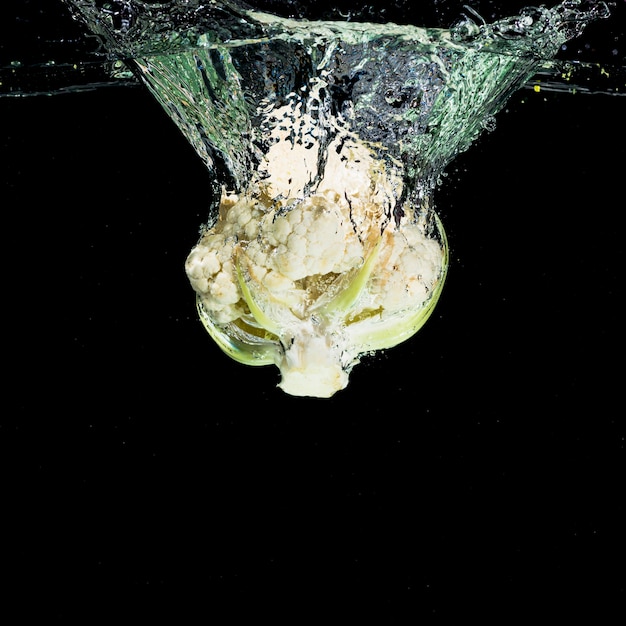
[(314, 238), (277, 247), (210, 265), (407, 270), (210, 270), (242, 219)]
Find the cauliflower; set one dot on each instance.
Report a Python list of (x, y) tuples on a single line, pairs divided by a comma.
[(311, 284)]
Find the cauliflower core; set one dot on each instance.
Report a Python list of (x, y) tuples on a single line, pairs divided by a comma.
[(311, 285)]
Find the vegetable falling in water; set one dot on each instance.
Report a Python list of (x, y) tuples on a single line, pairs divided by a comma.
[(326, 141)]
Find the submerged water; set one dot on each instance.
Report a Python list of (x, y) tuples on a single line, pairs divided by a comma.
[(285, 111)]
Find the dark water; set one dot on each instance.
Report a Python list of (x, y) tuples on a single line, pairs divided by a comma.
[(476, 470)]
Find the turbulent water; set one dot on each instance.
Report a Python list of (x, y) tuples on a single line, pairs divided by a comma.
[(425, 94), (299, 120), (45, 53)]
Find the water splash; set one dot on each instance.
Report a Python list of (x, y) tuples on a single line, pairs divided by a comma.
[(63, 59), (327, 140)]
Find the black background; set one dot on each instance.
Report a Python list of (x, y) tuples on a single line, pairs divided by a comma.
[(476, 471)]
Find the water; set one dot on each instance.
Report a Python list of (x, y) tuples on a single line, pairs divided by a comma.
[(480, 460), (297, 122), (44, 53)]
